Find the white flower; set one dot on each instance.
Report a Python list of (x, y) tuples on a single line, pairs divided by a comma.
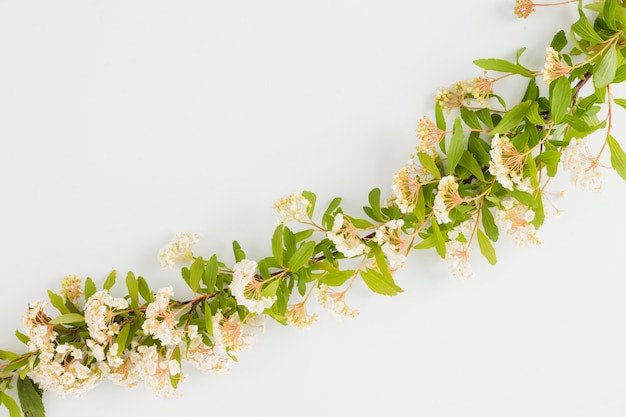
[(343, 234), (507, 163), (247, 289), (407, 183), (514, 218), (584, 169), (290, 208), (179, 249), (446, 199), (334, 301), (100, 310), (458, 251), (298, 316)]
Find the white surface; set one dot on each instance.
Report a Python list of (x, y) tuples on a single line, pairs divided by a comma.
[(124, 122)]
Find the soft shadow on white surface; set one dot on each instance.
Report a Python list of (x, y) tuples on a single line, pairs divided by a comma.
[(126, 122)]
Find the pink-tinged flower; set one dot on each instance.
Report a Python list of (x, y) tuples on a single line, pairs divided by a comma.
[(407, 183), (584, 169), (507, 163), (554, 67), (515, 219), (447, 198)]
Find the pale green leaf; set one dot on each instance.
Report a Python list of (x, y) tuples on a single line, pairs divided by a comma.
[(486, 248), (512, 118), (560, 98), (604, 71), (10, 404), (618, 158), (195, 273), (110, 281), (68, 318), (378, 283), (501, 65), (301, 256), (457, 145), (427, 162)]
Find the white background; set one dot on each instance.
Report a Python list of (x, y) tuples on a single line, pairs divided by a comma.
[(124, 122)]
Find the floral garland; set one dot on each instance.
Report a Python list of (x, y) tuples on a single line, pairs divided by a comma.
[(481, 167)]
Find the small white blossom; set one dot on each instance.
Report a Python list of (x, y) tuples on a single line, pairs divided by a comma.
[(507, 164), (446, 199), (583, 168), (291, 208), (179, 249), (344, 236), (515, 219), (334, 301), (247, 289)]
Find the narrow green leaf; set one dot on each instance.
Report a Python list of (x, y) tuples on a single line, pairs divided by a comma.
[(489, 224), (560, 98), (133, 289), (21, 337), (277, 244), (457, 144), (440, 119), (122, 338), (428, 162), (377, 283), (512, 118), (486, 248), (577, 123), (440, 244), (110, 281), (420, 206), (605, 70), (609, 13), (426, 243), (533, 115), (58, 303), (620, 102), (620, 74), (618, 158), (540, 213), (208, 319), (68, 318), (90, 288), (327, 218), (144, 290), (30, 398), (501, 65), (10, 404), (195, 273), (301, 256), (312, 199), (485, 116), (5, 355), (210, 276)]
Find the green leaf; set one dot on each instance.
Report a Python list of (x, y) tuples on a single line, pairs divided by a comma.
[(21, 337), (440, 119), (30, 398), (327, 218), (195, 273), (374, 200), (489, 224), (486, 248), (301, 256), (5, 355), (378, 283), (533, 115), (10, 404), (618, 158), (110, 281), (312, 198), (210, 276), (468, 162), (269, 290), (428, 162), (583, 28), (440, 244), (605, 70), (457, 144), (609, 13), (208, 319), (620, 74), (420, 206), (58, 303), (577, 123), (470, 118), (560, 98), (559, 41), (68, 318), (90, 288), (122, 338), (501, 65), (550, 157), (620, 102), (240, 255), (144, 290), (512, 118), (133, 289), (277, 244), (524, 198), (337, 278)]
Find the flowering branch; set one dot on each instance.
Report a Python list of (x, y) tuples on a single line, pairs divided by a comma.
[(485, 174)]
